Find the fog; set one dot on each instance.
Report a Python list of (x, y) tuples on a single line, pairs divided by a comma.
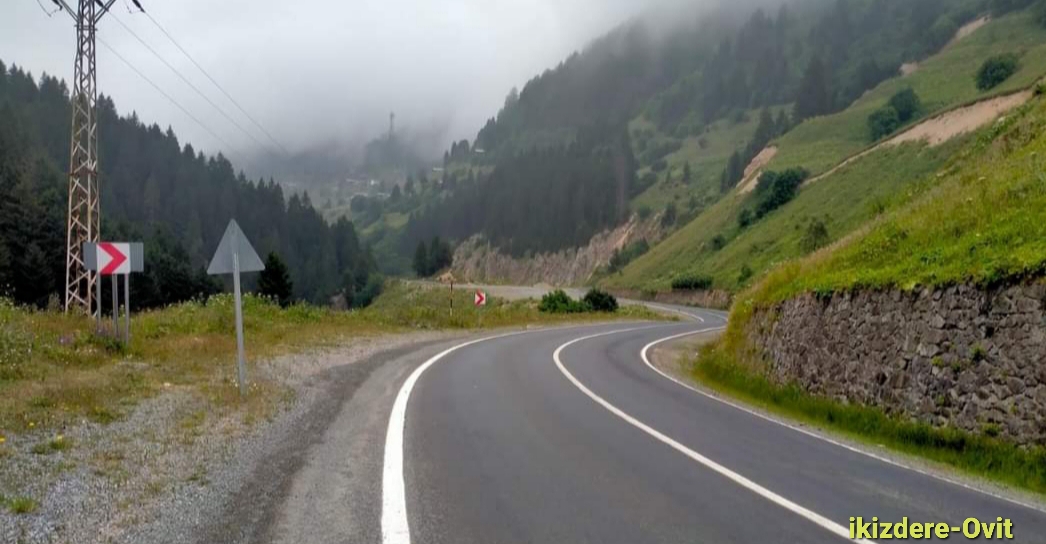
[(322, 74)]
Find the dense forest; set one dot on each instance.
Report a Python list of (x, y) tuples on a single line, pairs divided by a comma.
[(541, 200), (154, 190), (542, 183)]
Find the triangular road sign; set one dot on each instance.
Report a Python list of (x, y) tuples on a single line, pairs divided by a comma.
[(234, 242)]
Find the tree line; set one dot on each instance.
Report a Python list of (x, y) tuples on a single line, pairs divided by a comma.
[(544, 199), (156, 190)]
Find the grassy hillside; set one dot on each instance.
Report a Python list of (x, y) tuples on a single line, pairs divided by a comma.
[(842, 203), (706, 153), (714, 245), (942, 82), (979, 221)]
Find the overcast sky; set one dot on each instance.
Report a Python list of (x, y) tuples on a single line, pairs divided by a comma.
[(312, 72)]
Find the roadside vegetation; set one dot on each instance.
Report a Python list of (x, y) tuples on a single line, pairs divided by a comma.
[(717, 367), (54, 371), (978, 220)]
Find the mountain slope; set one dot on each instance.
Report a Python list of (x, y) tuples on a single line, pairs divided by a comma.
[(717, 246), (156, 190)]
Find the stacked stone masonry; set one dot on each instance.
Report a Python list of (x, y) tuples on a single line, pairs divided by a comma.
[(959, 356)]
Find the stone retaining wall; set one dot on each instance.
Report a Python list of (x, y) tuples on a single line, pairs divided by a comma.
[(959, 356)]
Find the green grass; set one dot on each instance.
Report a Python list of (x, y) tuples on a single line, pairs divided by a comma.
[(20, 505), (717, 367), (852, 196), (54, 445), (54, 371), (707, 154), (942, 82), (978, 221), (843, 202)]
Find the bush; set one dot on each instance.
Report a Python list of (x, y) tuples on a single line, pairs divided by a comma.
[(776, 189), (659, 165), (815, 237), (600, 301), (907, 104), (558, 302), (744, 219), (669, 218), (744, 275), (718, 242), (692, 283), (623, 256), (883, 122), (995, 70)]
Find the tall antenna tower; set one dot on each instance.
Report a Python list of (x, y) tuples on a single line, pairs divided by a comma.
[(392, 125), (84, 219)]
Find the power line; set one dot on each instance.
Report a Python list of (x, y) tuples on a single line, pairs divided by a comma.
[(186, 80), (214, 82), (167, 96)]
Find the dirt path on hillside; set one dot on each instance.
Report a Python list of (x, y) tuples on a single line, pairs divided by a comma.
[(964, 31), (968, 28), (937, 130), (755, 168)]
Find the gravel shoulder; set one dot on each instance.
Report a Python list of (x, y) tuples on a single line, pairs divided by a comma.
[(178, 463)]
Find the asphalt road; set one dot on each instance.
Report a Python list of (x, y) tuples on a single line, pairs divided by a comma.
[(504, 445), (566, 435)]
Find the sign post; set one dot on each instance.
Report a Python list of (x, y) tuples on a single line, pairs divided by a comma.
[(480, 300), (233, 256), (115, 259)]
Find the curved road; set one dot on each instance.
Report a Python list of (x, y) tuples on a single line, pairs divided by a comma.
[(568, 436)]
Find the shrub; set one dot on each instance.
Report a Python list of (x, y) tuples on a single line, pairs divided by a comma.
[(692, 282), (659, 165), (644, 212), (622, 257), (744, 219), (558, 302), (718, 242), (744, 275), (883, 122), (775, 189), (906, 103), (600, 301), (669, 218), (995, 70), (815, 237)]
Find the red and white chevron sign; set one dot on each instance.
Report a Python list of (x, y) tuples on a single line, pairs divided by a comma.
[(113, 258), (481, 298)]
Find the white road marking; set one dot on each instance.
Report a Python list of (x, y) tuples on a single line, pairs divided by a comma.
[(823, 522), (395, 528), (747, 410)]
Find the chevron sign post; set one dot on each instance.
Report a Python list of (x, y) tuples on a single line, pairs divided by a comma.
[(115, 259)]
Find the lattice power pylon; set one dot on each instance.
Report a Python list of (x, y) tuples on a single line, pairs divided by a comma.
[(84, 220)]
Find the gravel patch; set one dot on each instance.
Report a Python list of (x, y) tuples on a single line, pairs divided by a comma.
[(161, 472)]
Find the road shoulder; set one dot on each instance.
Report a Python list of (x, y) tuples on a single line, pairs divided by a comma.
[(674, 357)]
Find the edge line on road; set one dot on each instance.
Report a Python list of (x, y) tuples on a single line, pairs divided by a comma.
[(812, 434), (744, 482), (395, 528)]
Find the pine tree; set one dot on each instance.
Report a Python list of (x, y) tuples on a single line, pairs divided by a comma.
[(275, 281), (421, 260), (814, 97)]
